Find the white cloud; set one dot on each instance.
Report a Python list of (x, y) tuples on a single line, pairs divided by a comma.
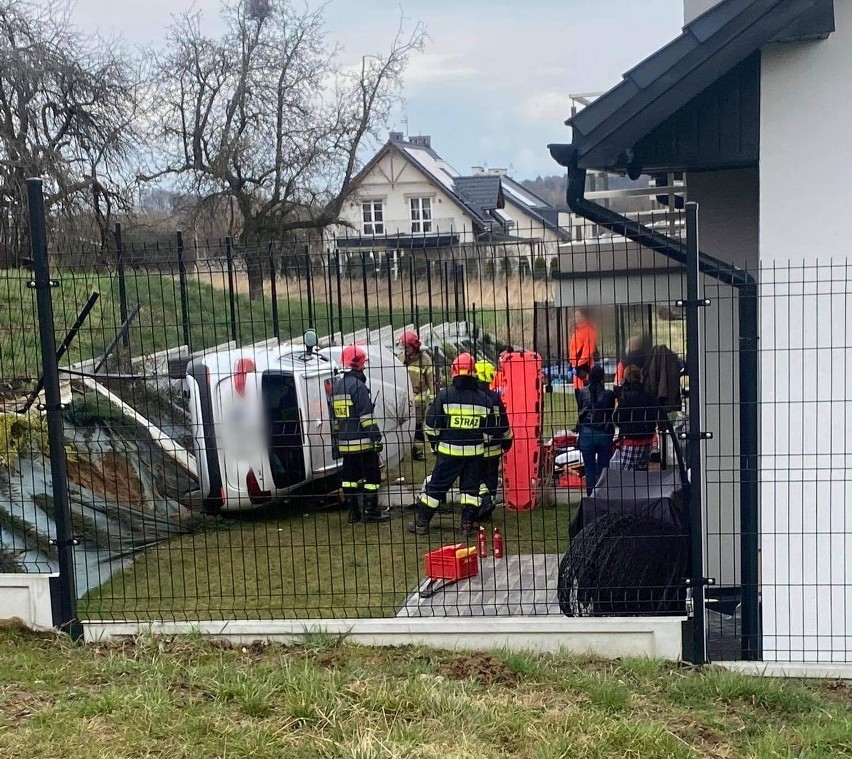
[(432, 68), (551, 107)]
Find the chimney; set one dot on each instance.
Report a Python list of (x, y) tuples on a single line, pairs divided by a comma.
[(484, 171), (423, 140), (397, 137)]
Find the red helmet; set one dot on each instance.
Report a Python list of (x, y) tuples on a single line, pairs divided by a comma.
[(464, 366), (410, 339), (354, 357)]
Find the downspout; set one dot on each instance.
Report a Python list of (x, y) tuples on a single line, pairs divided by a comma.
[(746, 286)]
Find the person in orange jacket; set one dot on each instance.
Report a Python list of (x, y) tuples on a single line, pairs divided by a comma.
[(582, 348)]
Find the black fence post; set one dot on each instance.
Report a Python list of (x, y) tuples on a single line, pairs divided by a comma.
[(751, 638), (273, 282), (184, 293), (122, 283), (232, 298), (693, 306), (309, 285), (66, 606)]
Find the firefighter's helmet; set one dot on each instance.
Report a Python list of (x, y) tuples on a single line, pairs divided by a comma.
[(464, 366), (410, 339), (354, 357), (485, 372)]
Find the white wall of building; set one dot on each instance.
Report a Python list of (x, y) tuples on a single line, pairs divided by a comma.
[(806, 339), (727, 230), (394, 181)]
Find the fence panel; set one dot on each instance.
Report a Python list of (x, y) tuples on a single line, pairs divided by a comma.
[(203, 483)]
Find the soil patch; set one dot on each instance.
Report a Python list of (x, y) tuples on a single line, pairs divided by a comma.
[(484, 668), (114, 479)]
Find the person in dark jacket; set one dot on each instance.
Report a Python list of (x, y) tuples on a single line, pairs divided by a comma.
[(637, 416), (495, 447), (457, 425), (596, 407), (357, 438), (635, 355)]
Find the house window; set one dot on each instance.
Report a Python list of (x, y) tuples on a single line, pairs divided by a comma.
[(421, 215), (372, 214)]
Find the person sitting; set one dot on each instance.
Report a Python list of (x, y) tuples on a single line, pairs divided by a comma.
[(596, 429), (637, 416)]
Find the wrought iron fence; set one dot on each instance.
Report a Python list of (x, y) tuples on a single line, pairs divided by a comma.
[(203, 474)]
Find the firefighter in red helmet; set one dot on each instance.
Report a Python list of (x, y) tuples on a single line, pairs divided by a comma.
[(421, 372), (357, 438), (457, 425)]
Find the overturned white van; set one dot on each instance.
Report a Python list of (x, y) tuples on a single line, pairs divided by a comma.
[(261, 425)]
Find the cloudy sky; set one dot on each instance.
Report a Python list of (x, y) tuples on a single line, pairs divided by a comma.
[(492, 86)]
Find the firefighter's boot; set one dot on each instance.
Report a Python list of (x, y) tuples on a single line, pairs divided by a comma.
[(354, 509), (372, 512), (423, 516), (468, 517)]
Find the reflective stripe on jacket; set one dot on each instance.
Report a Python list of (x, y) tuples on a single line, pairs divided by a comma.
[(462, 419), (354, 429), (497, 445)]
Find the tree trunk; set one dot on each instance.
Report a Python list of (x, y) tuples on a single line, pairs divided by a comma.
[(254, 255)]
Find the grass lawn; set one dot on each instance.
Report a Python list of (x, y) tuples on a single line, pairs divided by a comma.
[(294, 565), (158, 326), (298, 561), (186, 698)]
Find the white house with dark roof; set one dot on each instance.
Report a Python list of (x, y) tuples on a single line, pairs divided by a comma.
[(409, 198)]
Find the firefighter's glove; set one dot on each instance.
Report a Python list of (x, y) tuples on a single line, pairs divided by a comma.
[(433, 447), (506, 445), (378, 446)]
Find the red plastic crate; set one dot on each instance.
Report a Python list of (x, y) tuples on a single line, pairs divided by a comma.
[(452, 563)]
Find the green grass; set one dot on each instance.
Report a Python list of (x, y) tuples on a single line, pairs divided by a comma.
[(290, 564), (294, 565), (187, 698), (159, 324)]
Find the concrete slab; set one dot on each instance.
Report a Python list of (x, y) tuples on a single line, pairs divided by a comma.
[(513, 586)]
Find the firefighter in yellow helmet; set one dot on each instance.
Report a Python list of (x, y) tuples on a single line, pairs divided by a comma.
[(457, 425), (495, 445), (421, 372)]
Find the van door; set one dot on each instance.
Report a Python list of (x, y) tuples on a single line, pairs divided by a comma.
[(315, 391), (285, 446)]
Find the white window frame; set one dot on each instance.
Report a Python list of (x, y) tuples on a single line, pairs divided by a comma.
[(369, 224), (420, 209)]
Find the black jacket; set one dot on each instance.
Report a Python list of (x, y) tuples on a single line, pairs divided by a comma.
[(596, 408), (496, 445), (638, 412), (462, 418), (353, 427)]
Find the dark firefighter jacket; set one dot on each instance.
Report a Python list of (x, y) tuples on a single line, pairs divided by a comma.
[(353, 427), (496, 445), (462, 418)]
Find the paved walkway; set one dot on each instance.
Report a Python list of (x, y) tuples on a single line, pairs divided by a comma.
[(513, 586)]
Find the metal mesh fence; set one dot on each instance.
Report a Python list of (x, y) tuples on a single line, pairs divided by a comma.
[(202, 446)]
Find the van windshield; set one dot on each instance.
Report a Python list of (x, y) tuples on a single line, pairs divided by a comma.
[(284, 432)]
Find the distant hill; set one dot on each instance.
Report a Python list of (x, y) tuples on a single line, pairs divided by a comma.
[(552, 188)]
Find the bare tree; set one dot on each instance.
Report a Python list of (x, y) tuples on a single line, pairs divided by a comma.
[(67, 111), (267, 118)]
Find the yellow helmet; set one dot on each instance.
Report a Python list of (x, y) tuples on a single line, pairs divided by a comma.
[(485, 372)]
